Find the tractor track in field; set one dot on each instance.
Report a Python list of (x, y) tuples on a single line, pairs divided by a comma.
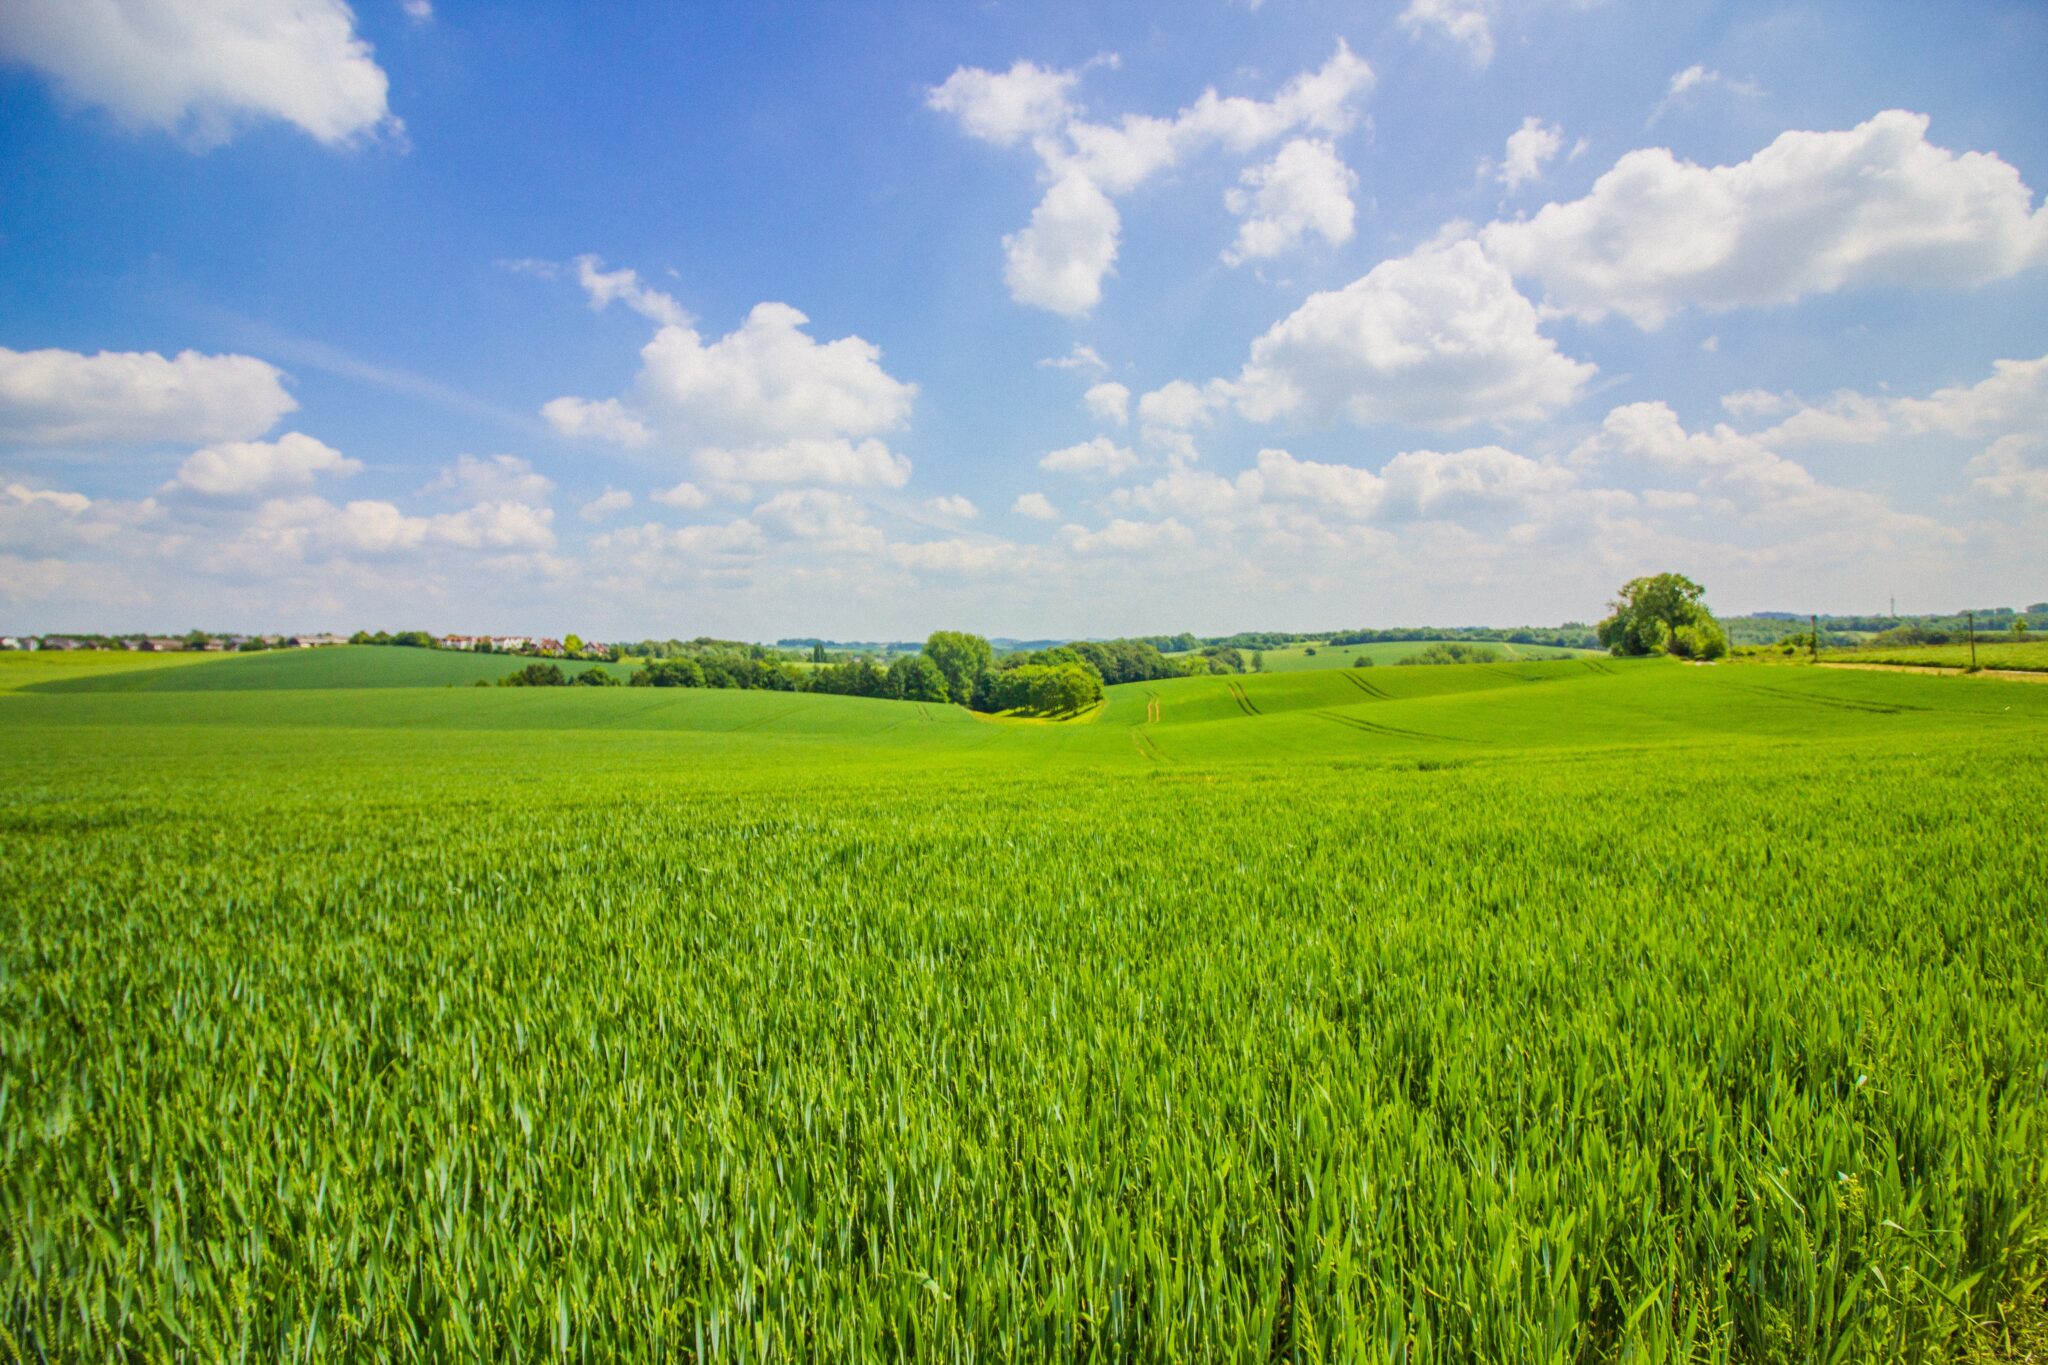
[(1838, 703), (1152, 707), (1148, 747), (1393, 731), (1944, 671), (1244, 702), (1598, 667), (1370, 689)]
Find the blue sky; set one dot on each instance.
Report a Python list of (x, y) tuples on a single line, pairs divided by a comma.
[(1038, 319)]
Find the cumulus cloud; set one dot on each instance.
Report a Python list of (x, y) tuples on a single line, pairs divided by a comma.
[(1035, 506), (953, 507), (1100, 458), (201, 71), (685, 495), (1415, 484), (766, 403), (1530, 148), (234, 469), (311, 527), (1468, 23), (805, 460), (1440, 338), (1109, 402), (1122, 536), (1058, 261), (2013, 468), (2012, 400), (1009, 106), (1812, 213), (605, 504), (824, 518), (1305, 188), (64, 398), (493, 478), (604, 419)]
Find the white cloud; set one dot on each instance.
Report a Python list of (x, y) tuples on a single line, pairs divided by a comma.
[(767, 380), (1122, 536), (605, 504), (1079, 358), (64, 398), (419, 11), (310, 527), (766, 403), (1416, 484), (1009, 106), (235, 469), (1305, 188), (493, 478), (953, 507), (1181, 405), (604, 419), (625, 286), (824, 518), (21, 495), (1468, 23), (1109, 402), (1530, 148), (963, 558), (1812, 213), (805, 460), (2013, 468), (1036, 506), (1697, 77), (1058, 261), (1438, 339), (1099, 458), (685, 495), (2014, 398), (202, 70)]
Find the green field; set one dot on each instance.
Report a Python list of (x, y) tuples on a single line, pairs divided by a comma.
[(1995, 652), (1580, 1010), (1296, 658), (333, 667)]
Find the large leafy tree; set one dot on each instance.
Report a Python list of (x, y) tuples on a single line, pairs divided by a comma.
[(1659, 614), (963, 658)]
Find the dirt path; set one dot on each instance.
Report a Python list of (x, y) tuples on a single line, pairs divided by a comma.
[(2016, 674)]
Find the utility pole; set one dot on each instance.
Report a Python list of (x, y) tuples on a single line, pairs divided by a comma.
[(1813, 639), (1973, 639)]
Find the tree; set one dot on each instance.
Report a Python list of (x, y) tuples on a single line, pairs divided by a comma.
[(818, 651), (962, 658), (535, 675), (1649, 613), (1259, 660), (594, 677), (573, 643), (914, 677)]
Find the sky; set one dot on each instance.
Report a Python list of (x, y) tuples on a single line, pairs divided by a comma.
[(1037, 319)]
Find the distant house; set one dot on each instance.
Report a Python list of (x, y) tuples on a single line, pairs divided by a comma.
[(163, 644), (62, 642), (217, 645), (597, 649), (316, 641), (510, 642), (547, 646), (461, 641), (9, 642)]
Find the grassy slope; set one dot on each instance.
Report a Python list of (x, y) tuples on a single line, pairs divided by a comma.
[(1295, 658), (1543, 988), (31, 668), (1997, 651), (338, 666)]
